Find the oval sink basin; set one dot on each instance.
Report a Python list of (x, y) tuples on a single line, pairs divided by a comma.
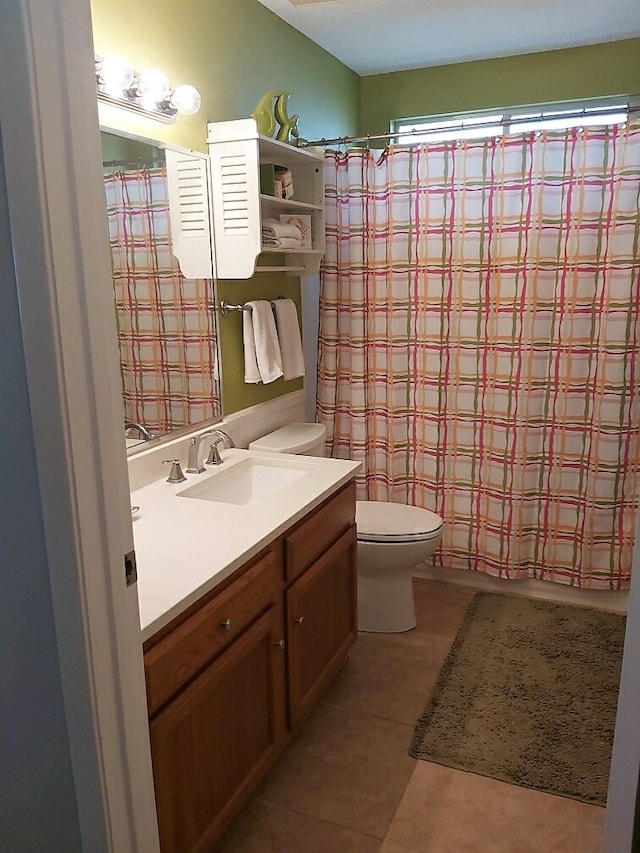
[(246, 482)]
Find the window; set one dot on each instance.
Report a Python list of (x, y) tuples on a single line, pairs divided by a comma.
[(561, 119), (484, 125)]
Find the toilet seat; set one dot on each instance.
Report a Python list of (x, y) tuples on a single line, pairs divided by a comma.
[(393, 523)]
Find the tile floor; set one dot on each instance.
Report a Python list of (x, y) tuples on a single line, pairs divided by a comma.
[(346, 783)]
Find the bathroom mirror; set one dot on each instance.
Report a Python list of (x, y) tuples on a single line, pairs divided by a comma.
[(167, 334)]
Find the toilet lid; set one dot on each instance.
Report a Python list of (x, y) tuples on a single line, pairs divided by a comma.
[(381, 521), (291, 438)]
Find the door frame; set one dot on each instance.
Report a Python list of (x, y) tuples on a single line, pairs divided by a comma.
[(623, 797), (59, 235)]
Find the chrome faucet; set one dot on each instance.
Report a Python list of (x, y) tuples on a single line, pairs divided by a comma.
[(144, 432), (195, 463)]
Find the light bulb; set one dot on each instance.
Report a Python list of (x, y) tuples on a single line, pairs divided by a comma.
[(116, 75), (186, 99), (153, 87)]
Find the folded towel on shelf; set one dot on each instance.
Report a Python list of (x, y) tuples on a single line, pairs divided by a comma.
[(274, 232), (282, 242), (301, 221), (261, 343), (289, 338)]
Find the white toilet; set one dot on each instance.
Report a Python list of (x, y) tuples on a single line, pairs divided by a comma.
[(392, 539)]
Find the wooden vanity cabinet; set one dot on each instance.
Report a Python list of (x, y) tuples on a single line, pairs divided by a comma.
[(224, 679)]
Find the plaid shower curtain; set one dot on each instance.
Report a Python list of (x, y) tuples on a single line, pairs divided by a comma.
[(479, 342), (166, 332)]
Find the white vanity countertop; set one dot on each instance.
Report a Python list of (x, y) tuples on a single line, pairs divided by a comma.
[(185, 546)]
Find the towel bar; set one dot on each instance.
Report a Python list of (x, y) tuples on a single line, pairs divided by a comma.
[(227, 307)]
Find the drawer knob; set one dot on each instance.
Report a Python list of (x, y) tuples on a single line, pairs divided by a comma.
[(279, 644), (299, 620), (226, 624)]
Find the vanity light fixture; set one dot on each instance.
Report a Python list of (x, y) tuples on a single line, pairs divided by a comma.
[(146, 92)]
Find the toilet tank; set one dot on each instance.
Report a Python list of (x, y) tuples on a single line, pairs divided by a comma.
[(302, 439)]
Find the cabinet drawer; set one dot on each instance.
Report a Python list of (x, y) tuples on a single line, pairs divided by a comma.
[(189, 648), (314, 535)]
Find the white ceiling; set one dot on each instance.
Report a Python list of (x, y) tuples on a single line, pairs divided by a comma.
[(378, 36)]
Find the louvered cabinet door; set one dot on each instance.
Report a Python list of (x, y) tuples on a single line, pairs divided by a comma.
[(235, 194), (189, 212)]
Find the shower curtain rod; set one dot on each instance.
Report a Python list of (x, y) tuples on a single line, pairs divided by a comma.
[(343, 140)]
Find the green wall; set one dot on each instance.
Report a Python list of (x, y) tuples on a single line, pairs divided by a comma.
[(233, 52), (536, 78)]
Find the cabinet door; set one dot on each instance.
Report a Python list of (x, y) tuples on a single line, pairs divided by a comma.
[(213, 743), (321, 623)]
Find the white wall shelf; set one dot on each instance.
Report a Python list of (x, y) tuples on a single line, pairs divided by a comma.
[(239, 207), (288, 269), (287, 203)]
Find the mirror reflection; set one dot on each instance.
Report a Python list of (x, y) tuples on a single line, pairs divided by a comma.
[(169, 363)]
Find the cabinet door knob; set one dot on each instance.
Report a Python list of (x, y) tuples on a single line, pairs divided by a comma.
[(299, 620), (279, 644), (226, 624)]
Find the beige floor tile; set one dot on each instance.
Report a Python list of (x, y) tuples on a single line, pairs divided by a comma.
[(387, 679), (267, 828), (347, 768), (422, 808), (446, 810), (590, 829)]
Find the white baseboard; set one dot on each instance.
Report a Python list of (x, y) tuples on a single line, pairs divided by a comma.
[(612, 600)]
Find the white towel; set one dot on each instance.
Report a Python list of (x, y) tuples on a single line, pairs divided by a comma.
[(259, 330), (289, 337), (282, 242), (251, 372), (272, 229)]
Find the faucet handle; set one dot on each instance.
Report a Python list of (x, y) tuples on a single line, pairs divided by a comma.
[(214, 457), (175, 475)]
